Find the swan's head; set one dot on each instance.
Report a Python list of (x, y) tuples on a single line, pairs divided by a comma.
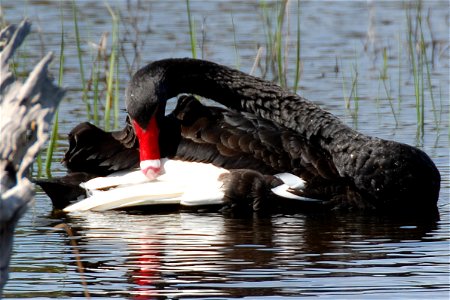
[(144, 110), (397, 176)]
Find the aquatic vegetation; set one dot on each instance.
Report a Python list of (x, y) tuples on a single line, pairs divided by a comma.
[(297, 52), (54, 132), (384, 78), (419, 55), (192, 35), (353, 93), (420, 65), (278, 43), (80, 58), (112, 84), (236, 49)]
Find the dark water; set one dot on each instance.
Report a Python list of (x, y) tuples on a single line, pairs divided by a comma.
[(186, 254)]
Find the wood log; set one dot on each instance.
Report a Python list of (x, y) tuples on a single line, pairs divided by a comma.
[(26, 110)]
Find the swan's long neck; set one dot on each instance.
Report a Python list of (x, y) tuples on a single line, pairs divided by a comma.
[(167, 78)]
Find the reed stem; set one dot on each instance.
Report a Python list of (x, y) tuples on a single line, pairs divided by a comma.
[(191, 31), (54, 133), (279, 44), (297, 54), (80, 59), (112, 68), (236, 50)]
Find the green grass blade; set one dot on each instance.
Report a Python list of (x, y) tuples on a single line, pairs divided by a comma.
[(95, 97), (297, 54), (116, 98), (191, 31), (412, 56), (399, 100), (388, 95), (236, 50), (54, 133), (80, 59), (279, 44), (112, 68), (427, 69)]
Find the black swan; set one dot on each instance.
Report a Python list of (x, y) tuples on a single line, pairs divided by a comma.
[(264, 131), (193, 133)]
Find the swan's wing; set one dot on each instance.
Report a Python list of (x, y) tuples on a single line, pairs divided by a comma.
[(64, 190), (183, 183), (239, 140), (95, 151), (121, 178), (283, 191), (228, 138), (290, 184), (149, 193)]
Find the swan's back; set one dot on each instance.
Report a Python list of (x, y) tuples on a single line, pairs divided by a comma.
[(386, 174)]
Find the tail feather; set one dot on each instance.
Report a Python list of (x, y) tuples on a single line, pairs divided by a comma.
[(64, 190), (92, 150)]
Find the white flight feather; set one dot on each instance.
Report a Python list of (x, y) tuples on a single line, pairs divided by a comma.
[(185, 183), (291, 182)]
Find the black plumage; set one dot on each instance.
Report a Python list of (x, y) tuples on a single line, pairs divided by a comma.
[(369, 172), (264, 130)]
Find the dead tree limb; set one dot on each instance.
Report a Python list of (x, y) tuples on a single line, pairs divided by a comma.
[(26, 110)]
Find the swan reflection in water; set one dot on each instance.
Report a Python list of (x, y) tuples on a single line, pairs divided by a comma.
[(189, 254)]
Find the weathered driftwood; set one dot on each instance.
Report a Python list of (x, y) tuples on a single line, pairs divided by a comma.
[(26, 109)]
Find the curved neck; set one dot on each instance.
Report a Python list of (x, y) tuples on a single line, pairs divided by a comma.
[(167, 78)]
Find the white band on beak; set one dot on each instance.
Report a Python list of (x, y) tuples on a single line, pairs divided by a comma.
[(151, 168)]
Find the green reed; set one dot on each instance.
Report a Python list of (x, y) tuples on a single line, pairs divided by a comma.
[(399, 52), (80, 57), (100, 86), (116, 97), (192, 35), (353, 94), (236, 49), (95, 87), (416, 64), (276, 31), (427, 69), (273, 40), (384, 70), (297, 52), (390, 99), (278, 42), (111, 95), (385, 79), (420, 64), (440, 97), (54, 134)]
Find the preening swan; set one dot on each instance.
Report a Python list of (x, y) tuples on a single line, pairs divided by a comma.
[(264, 130)]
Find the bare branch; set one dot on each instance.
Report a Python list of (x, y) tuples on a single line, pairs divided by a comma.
[(26, 109)]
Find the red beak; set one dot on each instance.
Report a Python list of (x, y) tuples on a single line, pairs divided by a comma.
[(149, 148)]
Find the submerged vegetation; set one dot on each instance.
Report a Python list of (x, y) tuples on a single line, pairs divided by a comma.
[(278, 57)]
